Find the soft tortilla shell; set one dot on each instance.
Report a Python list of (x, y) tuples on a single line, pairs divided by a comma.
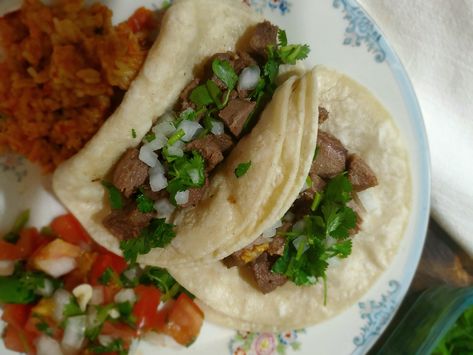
[(364, 126)]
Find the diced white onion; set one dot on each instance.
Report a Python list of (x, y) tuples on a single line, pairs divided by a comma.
[(7, 267), (47, 346), (164, 128), (74, 334), (157, 177), (289, 217), (125, 295), (47, 289), (175, 151), (131, 273), (83, 293), (217, 127), (190, 129), (182, 197), (249, 78), (178, 144), (61, 297), (271, 231), (331, 241), (194, 175), (114, 314), (157, 143), (168, 116), (164, 208), (162, 340), (147, 156), (58, 266), (97, 295), (105, 340), (297, 242), (92, 320)]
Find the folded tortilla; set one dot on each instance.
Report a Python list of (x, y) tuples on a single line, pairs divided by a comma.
[(233, 211), (229, 296)]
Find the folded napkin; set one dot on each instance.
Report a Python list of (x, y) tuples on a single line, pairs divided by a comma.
[(434, 40)]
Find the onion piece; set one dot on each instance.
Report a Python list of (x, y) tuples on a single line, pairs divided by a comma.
[(299, 226), (297, 242), (249, 78), (194, 175), (175, 151), (105, 340), (61, 297), (147, 156), (165, 128), (271, 231), (125, 295), (217, 127), (182, 197), (47, 289), (47, 346), (190, 128), (157, 177), (74, 334), (157, 143), (83, 294), (7, 267), (97, 295), (164, 208)]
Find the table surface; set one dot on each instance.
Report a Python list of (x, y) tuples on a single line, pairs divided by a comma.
[(442, 262)]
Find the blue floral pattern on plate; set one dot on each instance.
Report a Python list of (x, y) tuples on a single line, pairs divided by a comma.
[(15, 165), (247, 343), (283, 6), (360, 29)]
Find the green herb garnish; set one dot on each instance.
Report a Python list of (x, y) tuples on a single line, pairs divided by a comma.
[(114, 196), (93, 332), (107, 276), (133, 133), (200, 96), (157, 234), (144, 203), (149, 137), (163, 280), (44, 327), (325, 234), (176, 136), (72, 308), (20, 222), (242, 169), (225, 72)]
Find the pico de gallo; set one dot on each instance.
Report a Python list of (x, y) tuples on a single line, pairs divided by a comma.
[(61, 293)]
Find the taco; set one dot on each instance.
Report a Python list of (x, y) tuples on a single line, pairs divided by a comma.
[(339, 235), (200, 152)]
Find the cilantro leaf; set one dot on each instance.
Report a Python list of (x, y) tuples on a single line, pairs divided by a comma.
[(116, 347), (225, 72), (200, 96), (144, 203), (93, 331), (44, 327), (149, 137), (157, 234), (72, 308), (163, 280), (107, 276), (188, 114), (176, 136), (114, 195), (291, 53), (242, 169), (282, 38), (215, 93), (133, 133)]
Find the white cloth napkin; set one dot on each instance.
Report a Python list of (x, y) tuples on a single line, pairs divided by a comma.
[(434, 39)]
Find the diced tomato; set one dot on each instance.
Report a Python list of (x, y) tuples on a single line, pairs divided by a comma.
[(33, 331), (104, 261), (80, 274), (30, 240), (146, 307), (17, 340), (9, 251), (16, 314), (109, 293), (119, 330), (184, 320), (67, 227), (141, 19)]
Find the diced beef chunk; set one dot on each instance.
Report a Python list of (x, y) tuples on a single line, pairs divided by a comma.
[(360, 174), (154, 195), (184, 96), (276, 247), (247, 254), (235, 114), (266, 280), (358, 209), (244, 60), (323, 115), (196, 194), (211, 147), (318, 185), (264, 35), (128, 222), (331, 156), (129, 173)]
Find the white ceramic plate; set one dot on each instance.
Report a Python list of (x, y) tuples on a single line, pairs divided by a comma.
[(342, 36)]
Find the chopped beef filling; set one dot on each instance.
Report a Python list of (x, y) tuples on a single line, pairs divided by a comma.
[(184, 96), (266, 280), (211, 147), (323, 115), (360, 174), (128, 222), (265, 34), (331, 156), (130, 173), (236, 113)]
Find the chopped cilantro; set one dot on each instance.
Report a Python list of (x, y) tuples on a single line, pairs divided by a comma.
[(93, 331), (325, 234), (13, 235), (144, 203), (116, 347), (133, 133), (126, 313), (44, 327), (72, 308), (225, 72), (107, 276), (157, 234), (163, 280), (188, 114), (149, 137), (242, 169), (215, 93), (181, 172), (176, 136), (282, 38), (201, 96), (114, 195)]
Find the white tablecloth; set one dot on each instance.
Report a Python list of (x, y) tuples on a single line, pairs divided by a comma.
[(434, 39)]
